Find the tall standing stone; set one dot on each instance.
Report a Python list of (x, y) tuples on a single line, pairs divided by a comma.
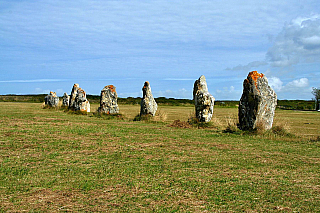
[(65, 100), (73, 95), (52, 99), (203, 100), (78, 99), (257, 103), (108, 100), (148, 104), (81, 102)]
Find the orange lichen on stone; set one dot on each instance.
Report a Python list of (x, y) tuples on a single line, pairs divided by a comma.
[(111, 88), (255, 75), (146, 84), (81, 90)]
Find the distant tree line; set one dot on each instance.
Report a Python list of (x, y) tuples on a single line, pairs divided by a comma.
[(282, 104), (316, 93)]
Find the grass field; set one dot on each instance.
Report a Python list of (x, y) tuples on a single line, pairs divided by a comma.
[(52, 160)]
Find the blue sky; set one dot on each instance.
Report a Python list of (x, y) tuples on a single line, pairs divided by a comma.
[(49, 45)]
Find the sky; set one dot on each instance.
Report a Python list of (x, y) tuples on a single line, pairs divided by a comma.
[(49, 45)]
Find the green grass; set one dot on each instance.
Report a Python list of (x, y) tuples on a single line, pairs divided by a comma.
[(52, 160)]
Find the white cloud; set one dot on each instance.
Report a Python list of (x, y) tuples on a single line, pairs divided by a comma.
[(249, 66), (298, 85), (178, 40), (130, 94), (275, 83), (59, 92), (41, 91), (181, 93), (227, 93), (299, 41), (33, 81), (311, 41)]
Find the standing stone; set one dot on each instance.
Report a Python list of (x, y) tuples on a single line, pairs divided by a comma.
[(81, 103), (108, 100), (73, 95), (148, 104), (78, 99), (257, 103), (65, 99), (52, 99), (203, 100)]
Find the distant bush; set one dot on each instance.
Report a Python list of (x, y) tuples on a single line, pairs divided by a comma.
[(295, 104), (23, 98)]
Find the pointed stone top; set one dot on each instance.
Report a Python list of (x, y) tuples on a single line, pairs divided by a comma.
[(110, 87), (146, 85), (53, 94), (81, 90), (254, 75), (200, 85), (202, 78)]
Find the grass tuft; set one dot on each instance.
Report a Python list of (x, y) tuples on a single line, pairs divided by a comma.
[(180, 124), (194, 122), (52, 161), (232, 125), (160, 116), (139, 117), (77, 112), (106, 116), (281, 130)]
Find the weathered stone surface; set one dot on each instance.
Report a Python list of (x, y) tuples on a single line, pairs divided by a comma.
[(78, 99), (65, 99), (73, 95), (81, 103), (257, 103), (108, 100), (203, 100), (148, 104), (52, 99)]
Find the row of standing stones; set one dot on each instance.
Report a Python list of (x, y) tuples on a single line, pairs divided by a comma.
[(256, 107)]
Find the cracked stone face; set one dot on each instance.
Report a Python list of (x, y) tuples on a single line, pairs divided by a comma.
[(203, 100), (108, 100), (257, 103), (148, 104), (65, 99), (51, 99), (78, 99), (73, 95)]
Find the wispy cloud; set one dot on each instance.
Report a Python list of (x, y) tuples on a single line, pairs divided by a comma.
[(181, 93), (298, 41), (33, 81), (301, 86), (49, 41), (179, 79), (227, 93), (249, 66)]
